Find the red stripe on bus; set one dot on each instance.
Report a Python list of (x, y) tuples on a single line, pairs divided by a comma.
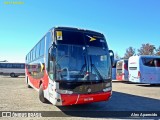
[(84, 98), (36, 82)]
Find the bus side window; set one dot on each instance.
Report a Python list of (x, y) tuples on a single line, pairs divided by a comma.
[(157, 63)]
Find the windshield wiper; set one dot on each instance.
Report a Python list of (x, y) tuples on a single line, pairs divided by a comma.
[(96, 70), (80, 72), (62, 57)]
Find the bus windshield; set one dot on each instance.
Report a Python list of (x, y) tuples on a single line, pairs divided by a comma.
[(80, 38), (77, 62)]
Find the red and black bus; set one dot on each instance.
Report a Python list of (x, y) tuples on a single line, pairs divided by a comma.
[(70, 66)]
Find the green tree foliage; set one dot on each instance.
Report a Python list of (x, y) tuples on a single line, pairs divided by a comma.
[(4, 61), (129, 52), (146, 49)]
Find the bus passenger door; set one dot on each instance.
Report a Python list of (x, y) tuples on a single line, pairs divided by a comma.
[(51, 69)]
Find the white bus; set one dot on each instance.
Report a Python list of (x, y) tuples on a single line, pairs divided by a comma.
[(122, 70), (12, 69), (144, 69)]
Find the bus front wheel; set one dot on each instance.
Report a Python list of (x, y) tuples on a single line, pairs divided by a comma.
[(28, 84), (41, 94)]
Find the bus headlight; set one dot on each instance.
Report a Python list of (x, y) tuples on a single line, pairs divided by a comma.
[(107, 89), (64, 91)]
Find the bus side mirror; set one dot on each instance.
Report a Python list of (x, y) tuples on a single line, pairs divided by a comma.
[(53, 49), (53, 52), (111, 53)]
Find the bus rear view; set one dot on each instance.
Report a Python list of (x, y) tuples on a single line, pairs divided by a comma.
[(122, 70), (76, 67), (144, 69)]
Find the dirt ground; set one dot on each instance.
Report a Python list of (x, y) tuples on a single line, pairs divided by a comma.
[(127, 98)]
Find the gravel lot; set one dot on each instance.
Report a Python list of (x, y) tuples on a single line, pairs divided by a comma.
[(15, 96)]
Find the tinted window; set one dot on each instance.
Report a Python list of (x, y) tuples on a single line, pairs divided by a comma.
[(37, 50), (9, 65), (80, 38), (3, 65), (70, 37), (12, 65), (42, 43), (22, 66), (15, 66), (34, 53), (126, 64), (28, 57), (95, 40), (151, 62), (31, 55), (132, 68)]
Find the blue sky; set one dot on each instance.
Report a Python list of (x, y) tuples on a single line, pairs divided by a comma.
[(124, 23)]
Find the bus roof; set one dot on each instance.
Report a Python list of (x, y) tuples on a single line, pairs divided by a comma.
[(75, 29), (13, 62)]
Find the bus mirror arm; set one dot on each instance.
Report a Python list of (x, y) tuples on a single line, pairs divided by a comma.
[(111, 53), (54, 45)]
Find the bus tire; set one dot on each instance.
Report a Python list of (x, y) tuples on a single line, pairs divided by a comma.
[(152, 84), (28, 84), (12, 74), (16, 75), (41, 95)]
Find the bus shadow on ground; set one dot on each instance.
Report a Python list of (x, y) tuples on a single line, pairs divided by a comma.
[(142, 84), (138, 84), (149, 85), (12, 77), (129, 82), (120, 105), (120, 81)]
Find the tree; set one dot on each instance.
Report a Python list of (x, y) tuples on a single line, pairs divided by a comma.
[(4, 61), (157, 51), (116, 56), (146, 49), (129, 52)]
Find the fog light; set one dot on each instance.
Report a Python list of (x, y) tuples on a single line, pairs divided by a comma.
[(58, 100)]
